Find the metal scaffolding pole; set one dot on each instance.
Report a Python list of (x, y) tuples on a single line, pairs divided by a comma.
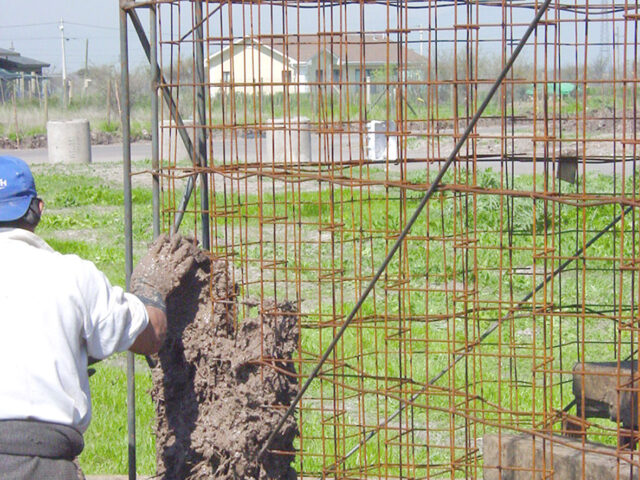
[(201, 129), (155, 153), (128, 229)]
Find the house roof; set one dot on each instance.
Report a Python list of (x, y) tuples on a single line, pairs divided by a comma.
[(561, 88), (21, 64), (237, 42), (347, 48), (8, 53)]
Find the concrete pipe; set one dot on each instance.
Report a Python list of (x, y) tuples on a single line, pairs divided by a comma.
[(69, 141), (289, 140)]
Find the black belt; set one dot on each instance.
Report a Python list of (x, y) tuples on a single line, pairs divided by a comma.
[(40, 439)]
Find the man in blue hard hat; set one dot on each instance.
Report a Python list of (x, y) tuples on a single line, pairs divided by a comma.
[(56, 311)]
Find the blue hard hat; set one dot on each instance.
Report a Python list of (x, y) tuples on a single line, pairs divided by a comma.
[(17, 188)]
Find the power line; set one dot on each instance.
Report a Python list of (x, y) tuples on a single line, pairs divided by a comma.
[(91, 26), (26, 39), (87, 25), (28, 25)]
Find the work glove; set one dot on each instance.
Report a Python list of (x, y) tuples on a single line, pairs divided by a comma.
[(161, 270)]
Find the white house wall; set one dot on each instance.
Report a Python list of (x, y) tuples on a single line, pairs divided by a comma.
[(251, 71)]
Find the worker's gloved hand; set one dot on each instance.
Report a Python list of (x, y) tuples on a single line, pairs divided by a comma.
[(160, 271)]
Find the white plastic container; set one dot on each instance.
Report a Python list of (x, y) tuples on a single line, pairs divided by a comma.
[(380, 144)]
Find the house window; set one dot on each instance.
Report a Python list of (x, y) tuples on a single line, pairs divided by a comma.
[(320, 75), (286, 76), (226, 77), (336, 75)]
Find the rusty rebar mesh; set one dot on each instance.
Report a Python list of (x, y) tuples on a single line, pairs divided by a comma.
[(511, 311)]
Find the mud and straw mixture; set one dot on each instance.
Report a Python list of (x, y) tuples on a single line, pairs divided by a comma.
[(221, 385)]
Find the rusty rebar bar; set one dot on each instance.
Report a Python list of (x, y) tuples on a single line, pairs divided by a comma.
[(407, 228)]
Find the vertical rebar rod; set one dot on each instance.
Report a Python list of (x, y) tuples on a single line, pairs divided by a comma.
[(407, 228), (155, 150), (128, 228), (201, 128)]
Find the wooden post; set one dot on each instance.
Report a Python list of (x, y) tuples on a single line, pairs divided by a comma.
[(118, 101), (15, 114), (86, 67), (45, 90), (109, 101)]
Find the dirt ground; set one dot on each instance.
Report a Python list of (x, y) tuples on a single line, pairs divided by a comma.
[(216, 400)]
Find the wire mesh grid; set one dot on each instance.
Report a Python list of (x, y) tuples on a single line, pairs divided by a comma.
[(501, 341)]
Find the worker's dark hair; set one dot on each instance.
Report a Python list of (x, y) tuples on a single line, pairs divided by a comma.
[(29, 220)]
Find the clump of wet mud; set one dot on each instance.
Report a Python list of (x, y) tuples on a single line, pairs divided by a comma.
[(216, 403)]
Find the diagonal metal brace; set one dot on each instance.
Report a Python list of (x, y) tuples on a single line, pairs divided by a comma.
[(177, 118), (396, 246)]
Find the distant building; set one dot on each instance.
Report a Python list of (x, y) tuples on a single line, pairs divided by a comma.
[(300, 62), (23, 74)]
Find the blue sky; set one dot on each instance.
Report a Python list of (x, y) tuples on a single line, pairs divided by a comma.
[(32, 26)]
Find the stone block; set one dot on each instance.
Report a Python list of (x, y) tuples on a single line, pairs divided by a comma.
[(525, 457), (607, 390), (289, 141)]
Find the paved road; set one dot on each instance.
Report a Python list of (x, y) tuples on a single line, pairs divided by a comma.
[(246, 151), (99, 153)]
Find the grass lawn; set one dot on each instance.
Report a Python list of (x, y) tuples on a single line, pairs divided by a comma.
[(84, 216)]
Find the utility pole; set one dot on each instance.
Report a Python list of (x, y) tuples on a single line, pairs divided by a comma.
[(85, 84), (65, 91)]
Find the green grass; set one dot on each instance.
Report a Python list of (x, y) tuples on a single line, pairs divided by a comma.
[(108, 126), (31, 120), (106, 439), (84, 216), (419, 352)]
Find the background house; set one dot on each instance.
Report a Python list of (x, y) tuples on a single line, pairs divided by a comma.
[(253, 67), (20, 74), (301, 63)]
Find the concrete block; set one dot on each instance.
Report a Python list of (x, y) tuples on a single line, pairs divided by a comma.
[(69, 141), (606, 390), (288, 140), (525, 457)]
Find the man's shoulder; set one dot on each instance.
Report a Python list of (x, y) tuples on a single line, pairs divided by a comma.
[(28, 249)]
